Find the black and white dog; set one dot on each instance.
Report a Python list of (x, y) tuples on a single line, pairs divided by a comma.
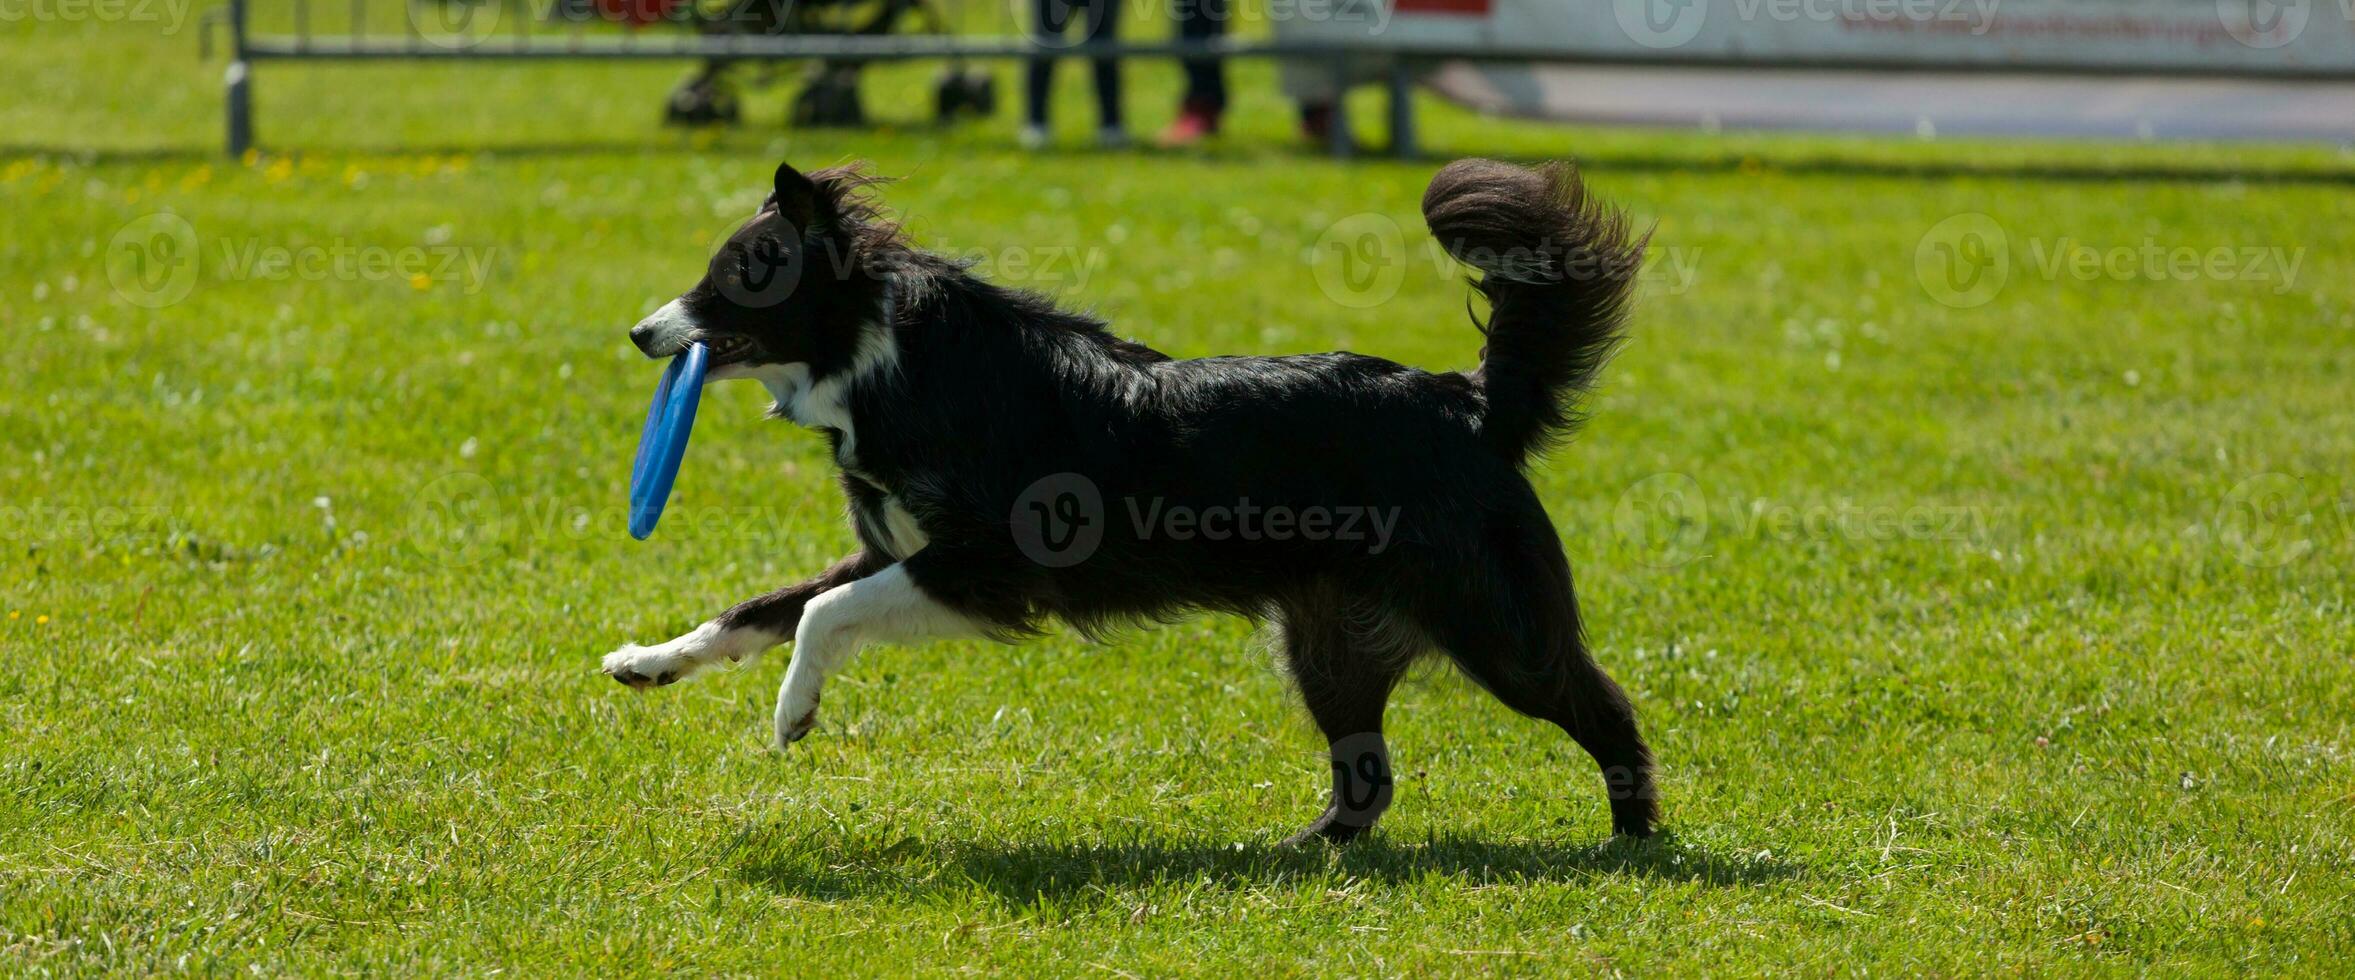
[(1009, 463)]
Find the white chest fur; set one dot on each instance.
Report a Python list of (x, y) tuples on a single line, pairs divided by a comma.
[(825, 403)]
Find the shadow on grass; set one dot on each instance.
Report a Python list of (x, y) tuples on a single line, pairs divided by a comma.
[(1025, 873)]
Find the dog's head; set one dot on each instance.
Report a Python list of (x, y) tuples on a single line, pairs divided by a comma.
[(795, 285)]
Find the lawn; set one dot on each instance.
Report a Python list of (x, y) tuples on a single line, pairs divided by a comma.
[(1994, 624)]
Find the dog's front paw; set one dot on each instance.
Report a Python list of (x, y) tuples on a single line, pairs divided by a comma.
[(793, 726), (644, 667)]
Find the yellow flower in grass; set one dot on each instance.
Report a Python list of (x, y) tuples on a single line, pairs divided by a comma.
[(420, 282)]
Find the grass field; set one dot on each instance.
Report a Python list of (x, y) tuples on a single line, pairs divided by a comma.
[(1994, 625)]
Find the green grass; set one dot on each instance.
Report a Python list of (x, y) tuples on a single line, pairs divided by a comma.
[(306, 576)]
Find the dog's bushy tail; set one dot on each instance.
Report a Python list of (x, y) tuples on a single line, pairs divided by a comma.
[(1557, 267)]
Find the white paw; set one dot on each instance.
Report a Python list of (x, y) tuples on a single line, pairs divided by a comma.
[(794, 723), (654, 666)]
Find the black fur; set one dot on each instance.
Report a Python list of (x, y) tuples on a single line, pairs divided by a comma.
[(995, 394)]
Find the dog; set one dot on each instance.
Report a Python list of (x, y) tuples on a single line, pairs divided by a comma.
[(1009, 463)]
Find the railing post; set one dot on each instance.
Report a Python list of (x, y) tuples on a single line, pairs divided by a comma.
[(239, 79), (1339, 140), (1402, 108)]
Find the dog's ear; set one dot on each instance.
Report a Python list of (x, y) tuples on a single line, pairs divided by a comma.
[(796, 197)]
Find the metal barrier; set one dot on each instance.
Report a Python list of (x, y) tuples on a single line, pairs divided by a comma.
[(1580, 33), (532, 34)]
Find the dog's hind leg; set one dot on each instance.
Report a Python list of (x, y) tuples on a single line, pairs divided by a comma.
[(886, 607), (1516, 632), (1345, 668)]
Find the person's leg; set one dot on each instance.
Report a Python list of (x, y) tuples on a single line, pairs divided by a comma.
[(1049, 17), (1206, 78), (1206, 81), (1103, 24)]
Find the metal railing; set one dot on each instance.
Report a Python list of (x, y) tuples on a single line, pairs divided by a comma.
[(535, 30), (532, 35)]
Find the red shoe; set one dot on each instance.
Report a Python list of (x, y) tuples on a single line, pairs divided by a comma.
[(1193, 124)]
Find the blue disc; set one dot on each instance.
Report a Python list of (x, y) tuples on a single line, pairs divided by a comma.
[(664, 442)]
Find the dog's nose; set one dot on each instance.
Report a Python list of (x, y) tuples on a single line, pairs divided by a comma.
[(666, 331)]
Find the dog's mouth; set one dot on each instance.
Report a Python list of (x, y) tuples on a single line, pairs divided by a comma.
[(727, 349)]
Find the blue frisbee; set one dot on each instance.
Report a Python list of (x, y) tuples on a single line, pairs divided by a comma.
[(664, 443)]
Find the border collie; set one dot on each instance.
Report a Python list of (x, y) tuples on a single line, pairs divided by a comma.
[(1008, 464)]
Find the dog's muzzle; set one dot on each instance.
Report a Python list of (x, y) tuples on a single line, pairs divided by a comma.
[(664, 333)]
